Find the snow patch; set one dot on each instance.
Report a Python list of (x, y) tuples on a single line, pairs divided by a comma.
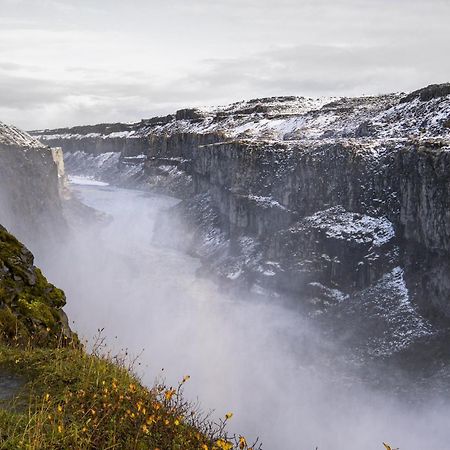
[(85, 181)]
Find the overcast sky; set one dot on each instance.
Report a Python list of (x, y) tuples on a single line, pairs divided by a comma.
[(70, 62)]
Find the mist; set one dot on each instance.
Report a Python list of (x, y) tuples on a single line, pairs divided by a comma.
[(260, 358)]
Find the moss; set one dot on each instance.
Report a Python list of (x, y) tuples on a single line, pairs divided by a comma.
[(37, 311), (11, 328), (31, 305), (52, 295)]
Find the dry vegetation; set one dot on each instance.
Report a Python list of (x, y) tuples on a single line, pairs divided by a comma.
[(72, 399)]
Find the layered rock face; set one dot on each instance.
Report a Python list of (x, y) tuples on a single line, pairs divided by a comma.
[(30, 202), (322, 199)]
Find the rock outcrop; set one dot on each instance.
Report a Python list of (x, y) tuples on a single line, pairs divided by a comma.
[(323, 199), (30, 307)]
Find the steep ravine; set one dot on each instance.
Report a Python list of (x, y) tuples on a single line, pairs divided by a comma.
[(325, 200)]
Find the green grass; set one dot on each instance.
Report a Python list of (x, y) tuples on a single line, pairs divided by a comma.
[(72, 399)]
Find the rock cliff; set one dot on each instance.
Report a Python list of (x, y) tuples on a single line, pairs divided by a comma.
[(32, 181), (30, 202), (322, 199)]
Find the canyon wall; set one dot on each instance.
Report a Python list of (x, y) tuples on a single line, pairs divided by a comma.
[(30, 202), (322, 199)]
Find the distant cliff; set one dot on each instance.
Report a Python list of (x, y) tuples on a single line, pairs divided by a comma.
[(323, 199), (30, 201)]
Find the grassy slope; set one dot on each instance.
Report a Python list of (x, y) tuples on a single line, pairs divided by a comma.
[(75, 400), (72, 399)]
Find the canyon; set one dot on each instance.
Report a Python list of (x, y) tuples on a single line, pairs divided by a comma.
[(314, 232), (339, 203)]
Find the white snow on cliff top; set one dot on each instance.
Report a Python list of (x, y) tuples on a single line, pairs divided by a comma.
[(298, 119), (10, 135)]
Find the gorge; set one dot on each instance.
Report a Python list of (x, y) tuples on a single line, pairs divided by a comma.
[(324, 199), (291, 254)]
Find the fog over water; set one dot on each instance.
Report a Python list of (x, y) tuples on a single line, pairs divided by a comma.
[(263, 361)]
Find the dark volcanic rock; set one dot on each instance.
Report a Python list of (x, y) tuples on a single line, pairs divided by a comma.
[(428, 93), (189, 114)]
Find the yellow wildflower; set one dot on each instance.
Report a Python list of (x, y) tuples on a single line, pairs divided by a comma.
[(224, 445), (169, 394)]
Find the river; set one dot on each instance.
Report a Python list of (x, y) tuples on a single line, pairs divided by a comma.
[(262, 361)]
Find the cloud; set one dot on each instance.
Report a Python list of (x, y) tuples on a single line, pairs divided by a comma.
[(315, 70), (61, 65)]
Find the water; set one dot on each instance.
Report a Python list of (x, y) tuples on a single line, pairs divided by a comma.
[(10, 385), (264, 362)]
